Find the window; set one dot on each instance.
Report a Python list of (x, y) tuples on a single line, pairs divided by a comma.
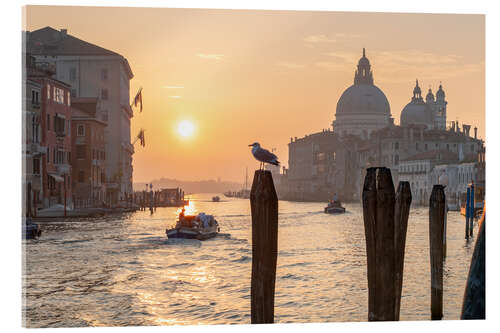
[(425, 147), (68, 99), (34, 97), (48, 154), (104, 115), (58, 95), (36, 166), (103, 177), (73, 92), (54, 156), (48, 122), (104, 94), (80, 130), (72, 74), (396, 145), (80, 151), (472, 147), (104, 74), (396, 159), (59, 124), (48, 92), (81, 176), (416, 145)]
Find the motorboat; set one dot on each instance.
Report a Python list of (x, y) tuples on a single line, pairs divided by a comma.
[(201, 226), (334, 207), (216, 199)]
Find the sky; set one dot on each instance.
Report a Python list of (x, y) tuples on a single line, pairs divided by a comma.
[(240, 76)]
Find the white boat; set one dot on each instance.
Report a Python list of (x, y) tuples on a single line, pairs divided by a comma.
[(199, 226)]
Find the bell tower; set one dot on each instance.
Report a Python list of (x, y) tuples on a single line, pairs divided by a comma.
[(363, 74)]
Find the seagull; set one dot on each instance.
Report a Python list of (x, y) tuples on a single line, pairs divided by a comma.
[(263, 155)]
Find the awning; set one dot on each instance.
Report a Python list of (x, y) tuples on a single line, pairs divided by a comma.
[(57, 178)]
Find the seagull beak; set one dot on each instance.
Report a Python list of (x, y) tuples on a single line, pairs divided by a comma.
[(250, 145)]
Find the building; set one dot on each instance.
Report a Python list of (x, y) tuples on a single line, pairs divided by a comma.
[(364, 135), (55, 128), (362, 107), (93, 71), (88, 160), (31, 149)]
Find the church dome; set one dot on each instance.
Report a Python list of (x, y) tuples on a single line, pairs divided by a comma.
[(363, 99), (440, 93), (417, 112)]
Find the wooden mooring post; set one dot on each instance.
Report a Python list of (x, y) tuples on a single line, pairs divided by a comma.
[(264, 207), (437, 209), (385, 216), (473, 306), (467, 214)]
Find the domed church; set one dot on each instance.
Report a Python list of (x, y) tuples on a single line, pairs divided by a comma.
[(362, 107), (431, 113)]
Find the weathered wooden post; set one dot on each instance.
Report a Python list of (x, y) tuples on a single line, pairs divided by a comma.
[(264, 206), (437, 205), (467, 213), (385, 219), (401, 214), (473, 306), (472, 211)]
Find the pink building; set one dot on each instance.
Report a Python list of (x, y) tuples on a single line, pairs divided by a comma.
[(56, 137)]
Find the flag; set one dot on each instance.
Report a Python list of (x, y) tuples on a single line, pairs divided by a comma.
[(138, 98), (141, 137)]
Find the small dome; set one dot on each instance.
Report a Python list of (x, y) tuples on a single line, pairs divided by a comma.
[(416, 113), (363, 98)]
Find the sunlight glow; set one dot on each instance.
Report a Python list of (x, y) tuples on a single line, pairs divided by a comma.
[(185, 128)]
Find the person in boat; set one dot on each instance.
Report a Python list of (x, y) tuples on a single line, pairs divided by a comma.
[(181, 214), (335, 201)]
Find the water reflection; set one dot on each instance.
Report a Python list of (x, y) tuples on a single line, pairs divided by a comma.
[(123, 271)]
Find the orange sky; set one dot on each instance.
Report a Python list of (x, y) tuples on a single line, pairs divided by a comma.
[(245, 76)]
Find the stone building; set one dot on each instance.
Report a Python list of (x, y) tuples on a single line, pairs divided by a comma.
[(93, 71), (364, 135), (55, 128), (88, 159), (32, 151)]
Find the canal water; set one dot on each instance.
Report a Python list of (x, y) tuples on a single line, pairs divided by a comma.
[(121, 270)]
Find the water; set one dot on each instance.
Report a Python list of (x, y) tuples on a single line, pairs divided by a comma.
[(121, 270)]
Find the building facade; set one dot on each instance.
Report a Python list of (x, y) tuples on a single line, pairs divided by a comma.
[(88, 159), (32, 151), (95, 72), (55, 127)]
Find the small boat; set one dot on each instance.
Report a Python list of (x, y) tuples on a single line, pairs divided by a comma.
[(216, 199), (31, 230), (199, 226), (334, 208)]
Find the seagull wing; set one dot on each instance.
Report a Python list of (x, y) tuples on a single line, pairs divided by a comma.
[(265, 155)]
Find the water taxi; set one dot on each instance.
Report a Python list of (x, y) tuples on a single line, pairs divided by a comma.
[(334, 207), (199, 226)]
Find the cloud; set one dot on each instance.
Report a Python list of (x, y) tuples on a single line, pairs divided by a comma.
[(318, 39), (173, 87), (210, 56), (290, 65)]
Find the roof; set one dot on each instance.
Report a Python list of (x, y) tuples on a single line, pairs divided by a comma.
[(86, 104), (52, 42)]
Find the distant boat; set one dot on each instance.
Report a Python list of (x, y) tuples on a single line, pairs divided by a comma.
[(334, 208), (199, 226), (31, 230), (216, 199)]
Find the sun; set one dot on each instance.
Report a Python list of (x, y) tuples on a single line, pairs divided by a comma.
[(185, 129)]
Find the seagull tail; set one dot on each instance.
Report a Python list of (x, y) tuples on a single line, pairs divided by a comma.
[(275, 162)]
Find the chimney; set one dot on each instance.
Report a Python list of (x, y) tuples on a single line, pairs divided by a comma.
[(453, 126), (64, 32), (458, 127), (475, 132), (466, 129)]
